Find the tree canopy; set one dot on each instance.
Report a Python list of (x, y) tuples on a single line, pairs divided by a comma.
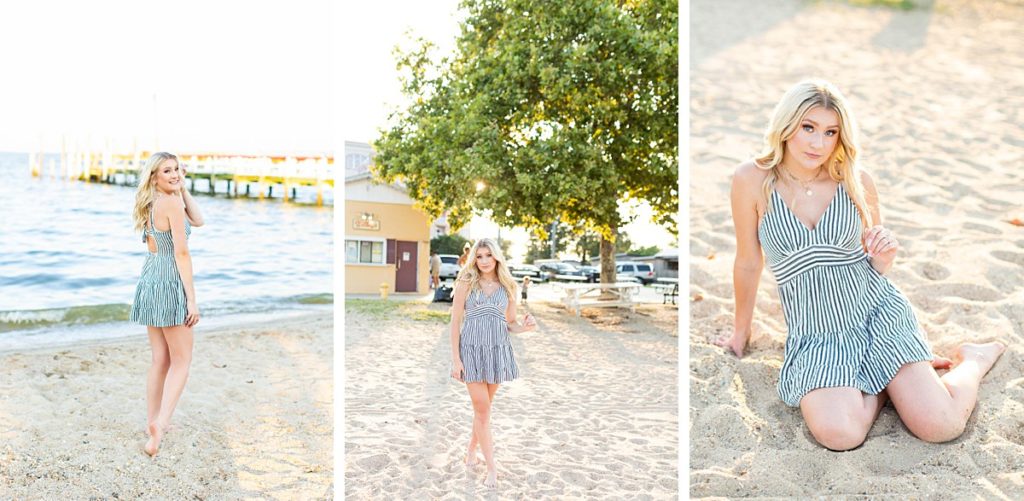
[(546, 111)]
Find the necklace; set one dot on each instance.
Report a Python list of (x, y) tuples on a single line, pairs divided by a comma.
[(806, 185)]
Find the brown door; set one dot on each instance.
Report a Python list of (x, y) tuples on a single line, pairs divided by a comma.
[(405, 267)]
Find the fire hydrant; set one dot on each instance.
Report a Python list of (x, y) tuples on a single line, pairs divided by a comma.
[(384, 290)]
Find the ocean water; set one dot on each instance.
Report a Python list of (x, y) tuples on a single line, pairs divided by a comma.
[(70, 260)]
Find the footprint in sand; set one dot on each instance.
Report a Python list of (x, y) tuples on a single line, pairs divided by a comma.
[(934, 271), (578, 479), (984, 228), (376, 462), (971, 292), (1010, 257)]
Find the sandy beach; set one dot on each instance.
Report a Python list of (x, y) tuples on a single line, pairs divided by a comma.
[(594, 414), (938, 91), (255, 420)]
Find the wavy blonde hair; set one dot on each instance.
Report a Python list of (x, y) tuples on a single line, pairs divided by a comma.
[(146, 192), (841, 165), (471, 275)]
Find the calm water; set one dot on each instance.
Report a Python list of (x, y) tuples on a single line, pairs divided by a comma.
[(69, 258)]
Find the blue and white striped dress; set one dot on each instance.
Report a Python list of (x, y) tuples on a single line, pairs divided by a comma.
[(848, 325), (160, 295), (484, 344)]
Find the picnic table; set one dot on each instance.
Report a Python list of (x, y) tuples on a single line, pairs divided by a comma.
[(579, 296), (668, 288)]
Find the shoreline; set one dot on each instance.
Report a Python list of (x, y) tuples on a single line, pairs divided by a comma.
[(93, 334), (255, 419)]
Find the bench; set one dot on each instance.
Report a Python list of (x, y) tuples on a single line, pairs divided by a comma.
[(579, 296), (667, 291)]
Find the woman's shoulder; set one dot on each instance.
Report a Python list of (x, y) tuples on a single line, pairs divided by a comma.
[(750, 171), (169, 205), (749, 177)]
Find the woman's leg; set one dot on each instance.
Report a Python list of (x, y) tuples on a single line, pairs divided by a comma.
[(936, 409), (179, 347), (482, 425), (471, 458), (157, 373), (839, 418)]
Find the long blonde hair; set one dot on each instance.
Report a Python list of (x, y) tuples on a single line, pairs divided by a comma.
[(146, 192), (841, 165), (471, 275)]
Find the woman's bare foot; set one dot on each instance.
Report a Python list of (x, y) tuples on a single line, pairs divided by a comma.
[(155, 434), (985, 355), (492, 478), (472, 459)]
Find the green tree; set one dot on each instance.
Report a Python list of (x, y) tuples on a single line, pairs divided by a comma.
[(546, 111), (540, 244), (645, 251), (505, 244), (448, 244)]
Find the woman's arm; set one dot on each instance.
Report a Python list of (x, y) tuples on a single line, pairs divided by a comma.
[(458, 311), (176, 217), (191, 208), (515, 326), (749, 263), (879, 243)]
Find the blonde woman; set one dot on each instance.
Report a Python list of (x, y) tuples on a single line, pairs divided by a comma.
[(165, 299), (483, 314), (853, 340)]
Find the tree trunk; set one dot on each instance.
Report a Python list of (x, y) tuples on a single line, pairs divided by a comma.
[(607, 265)]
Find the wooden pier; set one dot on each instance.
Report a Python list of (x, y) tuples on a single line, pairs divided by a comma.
[(234, 171)]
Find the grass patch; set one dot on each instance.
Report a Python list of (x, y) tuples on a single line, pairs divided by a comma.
[(374, 307), (892, 4), (431, 316), (326, 298)]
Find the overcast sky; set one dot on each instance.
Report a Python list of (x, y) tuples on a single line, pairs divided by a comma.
[(230, 76)]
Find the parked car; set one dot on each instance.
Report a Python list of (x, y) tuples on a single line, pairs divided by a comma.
[(526, 270), (644, 272), (449, 265), (593, 273), (555, 268)]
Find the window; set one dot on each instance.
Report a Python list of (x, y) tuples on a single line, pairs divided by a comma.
[(356, 160), (449, 260), (643, 267), (364, 251)]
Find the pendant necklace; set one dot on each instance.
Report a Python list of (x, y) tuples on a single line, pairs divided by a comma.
[(806, 185)]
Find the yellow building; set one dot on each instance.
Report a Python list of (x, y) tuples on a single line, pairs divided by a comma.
[(387, 240)]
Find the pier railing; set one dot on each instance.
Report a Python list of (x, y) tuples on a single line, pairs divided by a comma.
[(232, 175)]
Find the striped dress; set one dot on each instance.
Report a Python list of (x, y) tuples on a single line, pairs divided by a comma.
[(848, 325), (484, 344), (160, 295)]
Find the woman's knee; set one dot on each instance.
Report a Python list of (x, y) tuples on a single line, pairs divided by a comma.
[(838, 435), (938, 427), (182, 359), (161, 360), (482, 411)]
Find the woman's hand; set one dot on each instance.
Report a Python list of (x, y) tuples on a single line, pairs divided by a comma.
[(881, 246), (457, 370), (191, 313), (737, 342), (181, 185), (529, 323)]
